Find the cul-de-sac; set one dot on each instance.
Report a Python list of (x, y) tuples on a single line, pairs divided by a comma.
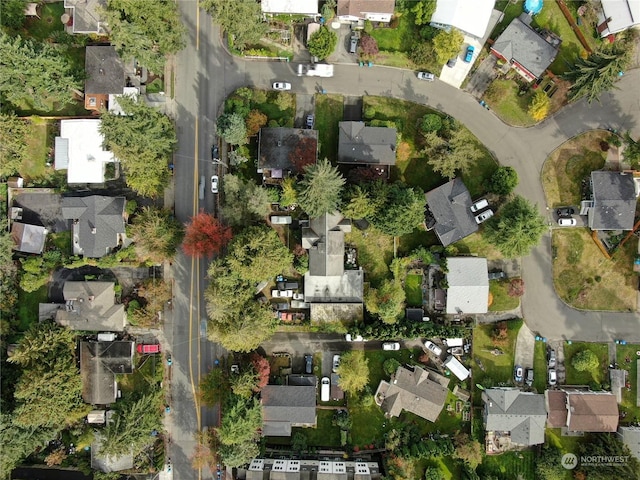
[(320, 239)]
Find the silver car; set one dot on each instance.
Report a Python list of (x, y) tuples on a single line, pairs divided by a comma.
[(429, 77)]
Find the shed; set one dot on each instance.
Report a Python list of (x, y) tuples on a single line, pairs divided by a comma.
[(456, 367)]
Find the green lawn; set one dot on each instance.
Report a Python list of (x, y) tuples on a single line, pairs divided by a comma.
[(325, 434), (49, 22), (554, 437), (512, 10), (540, 367), (368, 421), (399, 39), (476, 244), (61, 241), (629, 397), (329, 110), (498, 368), (501, 299), (375, 252), (28, 306), (156, 86), (509, 465), (146, 378), (272, 111), (508, 104), (413, 290), (599, 375), (38, 143)]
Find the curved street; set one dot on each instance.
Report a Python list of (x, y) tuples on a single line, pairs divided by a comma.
[(205, 73)]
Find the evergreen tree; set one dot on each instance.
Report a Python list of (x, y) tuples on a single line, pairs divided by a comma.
[(320, 189)]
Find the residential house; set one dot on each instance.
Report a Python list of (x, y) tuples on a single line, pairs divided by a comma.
[(28, 238), (333, 292), (419, 391), (359, 144), (528, 52), (468, 285), (287, 406), (361, 10), (79, 151), (100, 362), (89, 306), (105, 76), (283, 152), (581, 410), (617, 15), (513, 419), (613, 201), (630, 436), (98, 224), (449, 212), (311, 469), (470, 16), (85, 16), (36, 207), (290, 7)]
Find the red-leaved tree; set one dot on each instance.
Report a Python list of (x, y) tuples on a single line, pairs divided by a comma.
[(305, 153), (205, 235), (368, 47), (516, 287), (262, 369)]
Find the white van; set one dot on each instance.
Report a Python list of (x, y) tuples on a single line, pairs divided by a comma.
[(281, 219), (325, 389), (453, 342)]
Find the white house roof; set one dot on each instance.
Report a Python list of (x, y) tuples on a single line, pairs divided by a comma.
[(468, 281), (470, 16), (86, 157), (300, 7), (623, 14)]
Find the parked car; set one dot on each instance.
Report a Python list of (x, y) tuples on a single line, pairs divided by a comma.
[(308, 364), (433, 347), (468, 56), (565, 211), (452, 62), (567, 222), (214, 184), (497, 275), (325, 389), (552, 358), (353, 46), (203, 328), (429, 77), (310, 120), (518, 373), (529, 377), (146, 348), (553, 379), (215, 152), (358, 338), (479, 205), (484, 216), (336, 362), (390, 346), (281, 86), (235, 369)]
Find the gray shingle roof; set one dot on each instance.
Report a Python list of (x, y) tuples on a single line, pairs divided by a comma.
[(100, 220), (91, 306), (86, 17), (359, 144), (105, 71), (99, 363), (284, 406), (523, 414), (277, 146), (520, 43), (614, 201), (450, 205), (324, 238)]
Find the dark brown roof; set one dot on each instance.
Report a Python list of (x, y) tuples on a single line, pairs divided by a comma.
[(357, 7), (105, 71), (592, 412), (556, 401), (287, 149)]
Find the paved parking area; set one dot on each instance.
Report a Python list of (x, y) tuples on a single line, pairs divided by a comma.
[(525, 346), (341, 53), (455, 75), (482, 77)]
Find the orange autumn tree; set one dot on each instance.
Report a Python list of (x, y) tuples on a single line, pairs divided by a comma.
[(205, 236)]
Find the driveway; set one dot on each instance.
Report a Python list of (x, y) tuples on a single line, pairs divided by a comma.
[(525, 346), (341, 53), (482, 77)]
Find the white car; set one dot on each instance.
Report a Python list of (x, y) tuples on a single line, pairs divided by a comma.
[(214, 184), (391, 346), (552, 377), (484, 216), (479, 205), (336, 362), (433, 348), (429, 77), (281, 86), (567, 222), (358, 338)]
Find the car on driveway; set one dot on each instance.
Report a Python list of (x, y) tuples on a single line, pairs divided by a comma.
[(518, 374), (309, 122), (281, 86), (336, 363), (479, 205), (497, 275), (353, 46), (553, 379), (351, 338), (567, 222), (565, 212), (529, 377), (146, 349), (452, 62), (429, 345), (552, 358), (484, 216), (214, 184), (308, 364), (429, 77), (390, 346), (468, 56), (325, 389)]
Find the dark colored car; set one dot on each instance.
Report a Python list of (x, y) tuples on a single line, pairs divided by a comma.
[(529, 377), (452, 62), (308, 364), (499, 275), (215, 152), (518, 374), (565, 211), (310, 120)]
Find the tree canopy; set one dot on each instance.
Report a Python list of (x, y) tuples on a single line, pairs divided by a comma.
[(516, 229), (607, 445), (320, 189), (156, 234), (322, 43), (447, 45), (241, 19), (232, 128), (13, 147), (503, 181), (37, 74), (353, 371), (585, 361), (423, 9), (402, 210), (239, 432), (539, 107), (387, 301), (205, 236), (147, 30), (143, 140), (449, 156), (631, 151), (244, 201)]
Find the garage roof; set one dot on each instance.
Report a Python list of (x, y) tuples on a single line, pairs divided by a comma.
[(470, 16)]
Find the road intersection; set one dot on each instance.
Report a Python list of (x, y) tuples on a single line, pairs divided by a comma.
[(205, 73)]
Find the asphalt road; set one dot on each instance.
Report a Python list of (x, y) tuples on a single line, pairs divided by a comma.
[(206, 73)]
